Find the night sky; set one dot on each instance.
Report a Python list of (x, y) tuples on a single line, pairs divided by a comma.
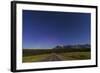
[(43, 29)]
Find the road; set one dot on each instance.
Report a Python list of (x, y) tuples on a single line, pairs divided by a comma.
[(53, 57)]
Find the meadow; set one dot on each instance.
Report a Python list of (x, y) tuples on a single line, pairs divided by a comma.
[(56, 54)]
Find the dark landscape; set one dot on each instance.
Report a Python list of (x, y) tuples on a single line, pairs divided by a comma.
[(59, 53)]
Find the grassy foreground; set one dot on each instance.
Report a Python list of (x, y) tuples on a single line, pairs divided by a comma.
[(65, 56), (34, 58), (76, 55)]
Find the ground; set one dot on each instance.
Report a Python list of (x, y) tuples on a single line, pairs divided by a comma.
[(57, 57)]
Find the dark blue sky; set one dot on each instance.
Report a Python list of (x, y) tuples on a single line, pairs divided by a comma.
[(43, 29)]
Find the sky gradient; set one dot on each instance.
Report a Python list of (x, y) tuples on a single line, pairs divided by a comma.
[(43, 29)]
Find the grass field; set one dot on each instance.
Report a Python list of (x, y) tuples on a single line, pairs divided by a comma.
[(65, 56), (34, 58), (76, 55)]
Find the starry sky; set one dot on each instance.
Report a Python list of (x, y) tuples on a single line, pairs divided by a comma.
[(47, 29)]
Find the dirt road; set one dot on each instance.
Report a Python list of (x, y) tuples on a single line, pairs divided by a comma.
[(53, 57)]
